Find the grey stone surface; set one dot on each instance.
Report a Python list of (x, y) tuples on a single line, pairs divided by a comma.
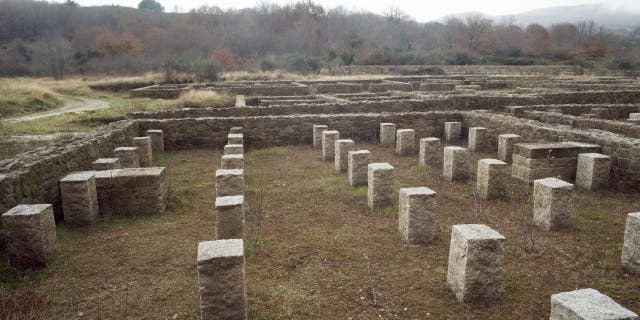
[(157, 140), (552, 204), (235, 130), (233, 149), (387, 134), (229, 182), (317, 134), (79, 199), (405, 142), (455, 164), (416, 215), (341, 157), (506, 143), (30, 235), (329, 138), (357, 167), (476, 261), (634, 116), (144, 150), (492, 178), (478, 140), (631, 247), (452, 132), (430, 152), (593, 171), (129, 156), (106, 164), (380, 185), (587, 304), (240, 101), (221, 280), (235, 138), (230, 217), (132, 191), (232, 161)]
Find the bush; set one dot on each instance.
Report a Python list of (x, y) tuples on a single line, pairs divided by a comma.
[(623, 64)]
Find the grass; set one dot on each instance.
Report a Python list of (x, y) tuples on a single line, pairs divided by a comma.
[(18, 97), (203, 99)]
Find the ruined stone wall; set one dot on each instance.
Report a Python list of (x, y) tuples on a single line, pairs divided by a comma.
[(627, 129), (469, 69), (616, 111)]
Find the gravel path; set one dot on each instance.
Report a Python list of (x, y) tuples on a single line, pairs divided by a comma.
[(75, 104)]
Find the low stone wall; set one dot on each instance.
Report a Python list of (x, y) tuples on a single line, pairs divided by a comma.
[(453, 69), (616, 111), (624, 128)]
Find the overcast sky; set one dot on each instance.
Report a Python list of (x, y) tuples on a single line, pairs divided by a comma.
[(421, 10)]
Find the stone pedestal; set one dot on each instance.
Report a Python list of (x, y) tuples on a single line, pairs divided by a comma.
[(106, 164), (552, 204), (234, 149), (388, 134), (132, 192), (329, 138), (30, 235), (405, 142), (476, 259), (455, 164), (430, 151), (144, 150), (631, 246), (221, 280), (317, 135), (452, 132), (341, 157), (601, 113), (380, 182), (157, 140), (240, 101), (593, 171), (491, 180), (235, 138), (235, 130), (516, 111), (532, 161), (417, 217), (587, 304), (79, 199), (230, 217), (478, 139), (129, 156), (232, 161), (229, 182), (357, 167), (506, 144)]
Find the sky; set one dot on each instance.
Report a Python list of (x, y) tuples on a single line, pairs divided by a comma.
[(421, 10)]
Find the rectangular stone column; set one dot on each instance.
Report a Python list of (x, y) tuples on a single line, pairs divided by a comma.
[(417, 217), (506, 143), (157, 140), (455, 164), (476, 260), (317, 135), (429, 152), (380, 180), (478, 139), (129, 156), (229, 182), (341, 157), (587, 304), (552, 203), (452, 132), (405, 142), (221, 280), (387, 134), (230, 217), (492, 177), (79, 199), (235, 130), (30, 235), (144, 150), (329, 138), (132, 191), (357, 167), (631, 246), (593, 171), (233, 149), (106, 164), (232, 161), (235, 138)]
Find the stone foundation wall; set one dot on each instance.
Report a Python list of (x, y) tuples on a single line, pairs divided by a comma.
[(624, 128)]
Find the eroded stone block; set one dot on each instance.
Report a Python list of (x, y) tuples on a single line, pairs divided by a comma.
[(106, 164), (506, 143), (631, 246), (317, 135), (129, 156), (157, 140), (232, 161), (235, 138), (587, 304), (405, 142), (357, 167), (429, 152), (235, 130), (329, 138), (341, 157), (593, 171), (380, 185), (229, 182), (491, 179), (132, 191), (417, 217), (230, 217), (79, 199), (452, 132), (387, 134), (455, 165), (234, 149), (478, 139), (144, 150), (552, 204), (30, 235)]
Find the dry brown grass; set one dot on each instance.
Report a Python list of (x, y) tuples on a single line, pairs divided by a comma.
[(203, 99)]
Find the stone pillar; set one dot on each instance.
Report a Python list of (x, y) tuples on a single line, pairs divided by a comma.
[(221, 280), (478, 139), (417, 217), (230, 217), (157, 140), (233, 149), (229, 182), (506, 143), (317, 134), (329, 138), (455, 164), (602, 113), (631, 246), (357, 167), (476, 259), (30, 235), (593, 171), (387, 134), (235, 130), (235, 138), (232, 161), (552, 203), (452, 132), (129, 157), (516, 111), (241, 101), (429, 152), (342, 148), (144, 150), (634, 117), (380, 180), (587, 304), (405, 142), (79, 199), (492, 177), (106, 164)]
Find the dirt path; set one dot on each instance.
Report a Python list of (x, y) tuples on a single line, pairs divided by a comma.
[(74, 104)]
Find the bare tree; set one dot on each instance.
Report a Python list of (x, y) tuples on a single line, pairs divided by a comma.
[(58, 54)]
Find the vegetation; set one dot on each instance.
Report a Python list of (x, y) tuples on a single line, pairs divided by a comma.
[(18, 97)]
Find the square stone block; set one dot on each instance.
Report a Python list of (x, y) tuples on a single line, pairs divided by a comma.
[(593, 171), (235, 138), (631, 246), (380, 185), (129, 156), (452, 132), (455, 165), (417, 217), (506, 143), (341, 157), (477, 140), (30, 235), (79, 199), (235, 130), (491, 179), (317, 135), (144, 150), (234, 149), (232, 161), (552, 204), (229, 182), (357, 167), (132, 191), (106, 164), (329, 138), (230, 217), (430, 151), (587, 304), (405, 142), (387, 134), (157, 140)]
